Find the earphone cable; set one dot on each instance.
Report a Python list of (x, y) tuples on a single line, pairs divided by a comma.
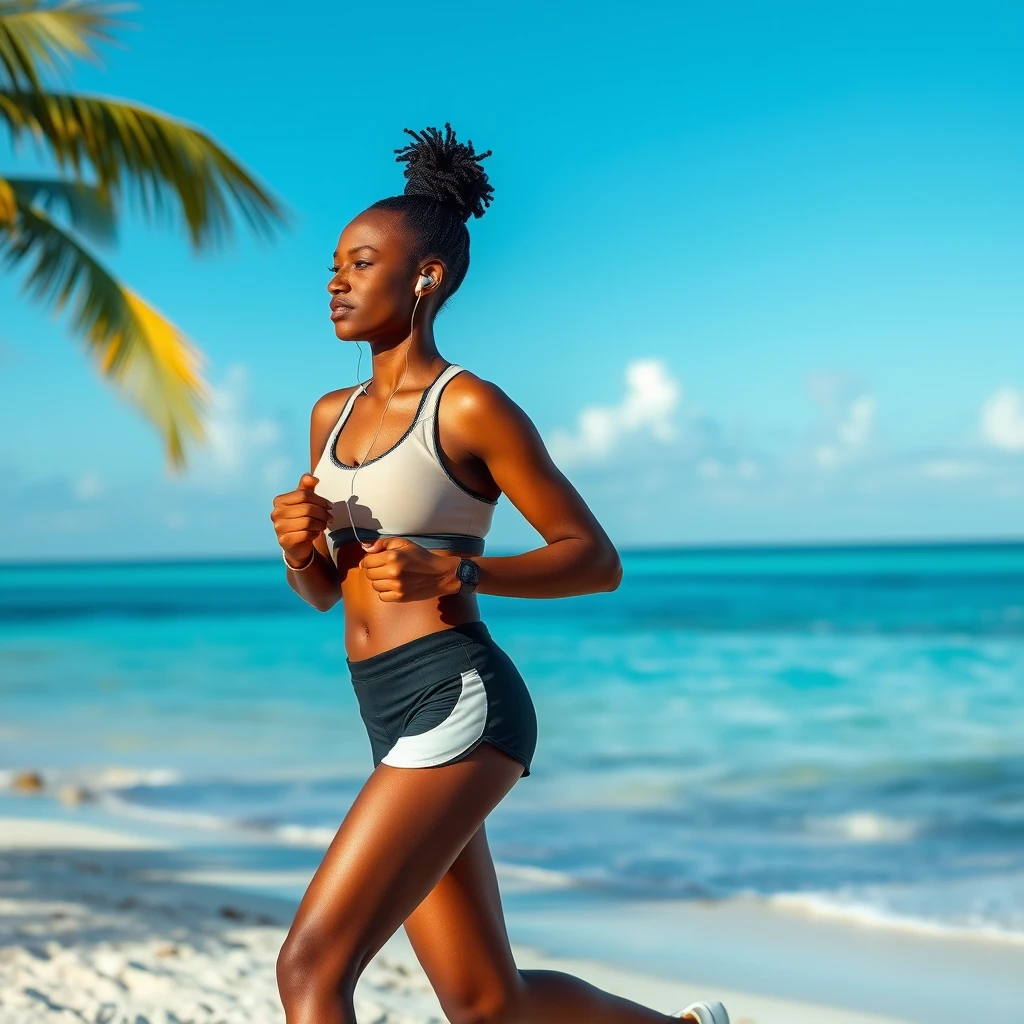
[(398, 386)]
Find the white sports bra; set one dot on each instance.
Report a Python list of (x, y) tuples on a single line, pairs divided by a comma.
[(405, 491)]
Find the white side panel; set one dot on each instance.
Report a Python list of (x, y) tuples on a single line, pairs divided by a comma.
[(458, 732)]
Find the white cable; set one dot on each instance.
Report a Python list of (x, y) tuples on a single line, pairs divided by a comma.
[(359, 466)]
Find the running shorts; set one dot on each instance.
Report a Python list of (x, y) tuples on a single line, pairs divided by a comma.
[(433, 700)]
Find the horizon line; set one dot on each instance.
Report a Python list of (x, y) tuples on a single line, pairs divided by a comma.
[(709, 548)]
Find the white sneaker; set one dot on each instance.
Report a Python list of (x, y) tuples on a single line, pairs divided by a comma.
[(705, 1013)]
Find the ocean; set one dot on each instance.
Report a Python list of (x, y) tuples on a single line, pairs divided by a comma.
[(834, 728)]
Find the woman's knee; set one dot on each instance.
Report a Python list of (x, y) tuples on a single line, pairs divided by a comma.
[(312, 967), (494, 1005)]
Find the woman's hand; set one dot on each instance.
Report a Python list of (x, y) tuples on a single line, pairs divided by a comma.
[(299, 517), (400, 570)]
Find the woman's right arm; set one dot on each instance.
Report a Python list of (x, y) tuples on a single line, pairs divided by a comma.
[(300, 517)]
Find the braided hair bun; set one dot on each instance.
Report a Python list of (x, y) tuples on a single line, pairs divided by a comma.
[(445, 170), (445, 186)]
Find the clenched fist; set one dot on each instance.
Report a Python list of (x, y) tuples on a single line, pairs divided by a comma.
[(400, 570), (299, 517)]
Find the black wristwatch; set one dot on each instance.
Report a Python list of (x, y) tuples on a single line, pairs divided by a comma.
[(469, 574)]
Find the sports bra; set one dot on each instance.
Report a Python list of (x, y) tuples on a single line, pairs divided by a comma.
[(405, 491)]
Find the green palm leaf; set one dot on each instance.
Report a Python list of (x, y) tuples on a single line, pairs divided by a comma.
[(155, 157), (146, 356), (87, 208), (36, 34), (111, 150)]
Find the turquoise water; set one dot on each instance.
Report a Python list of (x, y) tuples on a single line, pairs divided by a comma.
[(842, 726)]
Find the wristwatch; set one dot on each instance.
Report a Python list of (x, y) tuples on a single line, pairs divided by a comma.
[(468, 573)]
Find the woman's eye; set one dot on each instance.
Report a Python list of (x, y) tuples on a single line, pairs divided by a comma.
[(358, 263)]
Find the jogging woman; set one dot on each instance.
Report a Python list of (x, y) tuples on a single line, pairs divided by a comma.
[(406, 471)]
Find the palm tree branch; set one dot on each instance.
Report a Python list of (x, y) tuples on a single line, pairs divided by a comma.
[(38, 35), (89, 209), (155, 157), (140, 352)]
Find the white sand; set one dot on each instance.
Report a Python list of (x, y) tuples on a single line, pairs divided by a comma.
[(95, 927)]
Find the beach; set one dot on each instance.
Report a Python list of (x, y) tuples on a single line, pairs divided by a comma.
[(789, 779), (97, 927)]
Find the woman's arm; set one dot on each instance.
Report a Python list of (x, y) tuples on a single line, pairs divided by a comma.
[(578, 558), (300, 517)]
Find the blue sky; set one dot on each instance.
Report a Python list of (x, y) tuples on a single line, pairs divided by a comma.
[(755, 270)]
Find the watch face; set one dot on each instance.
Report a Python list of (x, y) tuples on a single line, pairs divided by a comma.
[(468, 572)]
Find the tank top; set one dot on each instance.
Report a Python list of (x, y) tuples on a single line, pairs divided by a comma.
[(405, 491)]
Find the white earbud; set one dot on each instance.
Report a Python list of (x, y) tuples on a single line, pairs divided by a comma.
[(423, 282)]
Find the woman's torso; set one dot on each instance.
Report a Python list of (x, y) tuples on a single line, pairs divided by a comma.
[(409, 490)]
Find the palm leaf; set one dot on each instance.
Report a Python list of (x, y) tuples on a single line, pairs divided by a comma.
[(37, 34), (155, 157), (88, 208), (145, 356)]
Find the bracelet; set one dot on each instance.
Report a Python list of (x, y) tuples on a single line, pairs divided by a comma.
[(299, 568)]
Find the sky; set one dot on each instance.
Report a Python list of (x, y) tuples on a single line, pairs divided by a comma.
[(756, 271)]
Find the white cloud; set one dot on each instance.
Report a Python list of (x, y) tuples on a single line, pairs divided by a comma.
[(242, 447), (952, 469), (88, 486), (233, 436), (652, 396), (1002, 420), (848, 417), (855, 429)]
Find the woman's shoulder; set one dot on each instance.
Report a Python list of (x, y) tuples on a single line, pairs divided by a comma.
[(470, 402), (326, 411), (468, 391), (329, 406)]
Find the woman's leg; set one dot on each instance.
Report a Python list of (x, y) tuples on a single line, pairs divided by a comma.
[(458, 933), (401, 835)]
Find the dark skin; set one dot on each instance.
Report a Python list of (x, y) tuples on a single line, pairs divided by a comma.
[(412, 849)]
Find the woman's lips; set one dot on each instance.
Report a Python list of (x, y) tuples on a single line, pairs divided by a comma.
[(340, 311)]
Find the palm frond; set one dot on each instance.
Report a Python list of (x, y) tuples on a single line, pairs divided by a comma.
[(144, 355), (8, 205), (155, 158), (88, 209), (38, 35)]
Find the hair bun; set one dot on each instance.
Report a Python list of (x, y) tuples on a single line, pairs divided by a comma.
[(441, 168)]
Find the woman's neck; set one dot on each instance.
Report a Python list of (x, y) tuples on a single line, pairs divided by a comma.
[(389, 363)]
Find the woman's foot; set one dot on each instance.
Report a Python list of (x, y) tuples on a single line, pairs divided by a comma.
[(704, 1013)]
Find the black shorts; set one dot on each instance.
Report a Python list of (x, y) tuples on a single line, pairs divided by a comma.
[(434, 700)]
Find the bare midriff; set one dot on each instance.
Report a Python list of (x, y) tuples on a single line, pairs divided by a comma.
[(373, 626)]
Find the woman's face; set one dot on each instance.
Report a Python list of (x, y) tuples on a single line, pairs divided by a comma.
[(372, 293)]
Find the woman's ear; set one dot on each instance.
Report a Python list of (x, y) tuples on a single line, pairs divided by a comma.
[(436, 271)]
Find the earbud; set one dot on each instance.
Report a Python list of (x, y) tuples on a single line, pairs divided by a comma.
[(423, 282)]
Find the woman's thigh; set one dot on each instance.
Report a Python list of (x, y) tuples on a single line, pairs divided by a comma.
[(458, 934), (401, 835)]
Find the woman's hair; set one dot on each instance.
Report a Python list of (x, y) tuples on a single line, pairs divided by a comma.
[(445, 186)]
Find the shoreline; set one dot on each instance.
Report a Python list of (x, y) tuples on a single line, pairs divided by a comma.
[(83, 903)]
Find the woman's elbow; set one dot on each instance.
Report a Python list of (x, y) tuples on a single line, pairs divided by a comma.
[(609, 568), (326, 603)]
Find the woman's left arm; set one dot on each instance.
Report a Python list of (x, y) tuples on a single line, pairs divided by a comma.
[(577, 557)]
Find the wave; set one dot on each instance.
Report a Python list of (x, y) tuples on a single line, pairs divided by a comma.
[(835, 907), (864, 827)]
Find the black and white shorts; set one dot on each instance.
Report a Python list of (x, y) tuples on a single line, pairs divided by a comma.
[(434, 700)]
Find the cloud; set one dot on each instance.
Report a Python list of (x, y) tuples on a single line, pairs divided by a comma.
[(848, 417), (242, 447), (1002, 420), (88, 486), (651, 399), (952, 469)]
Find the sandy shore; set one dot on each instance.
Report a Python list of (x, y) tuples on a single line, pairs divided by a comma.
[(101, 926)]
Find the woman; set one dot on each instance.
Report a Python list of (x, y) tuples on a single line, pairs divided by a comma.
[(406, 472)]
